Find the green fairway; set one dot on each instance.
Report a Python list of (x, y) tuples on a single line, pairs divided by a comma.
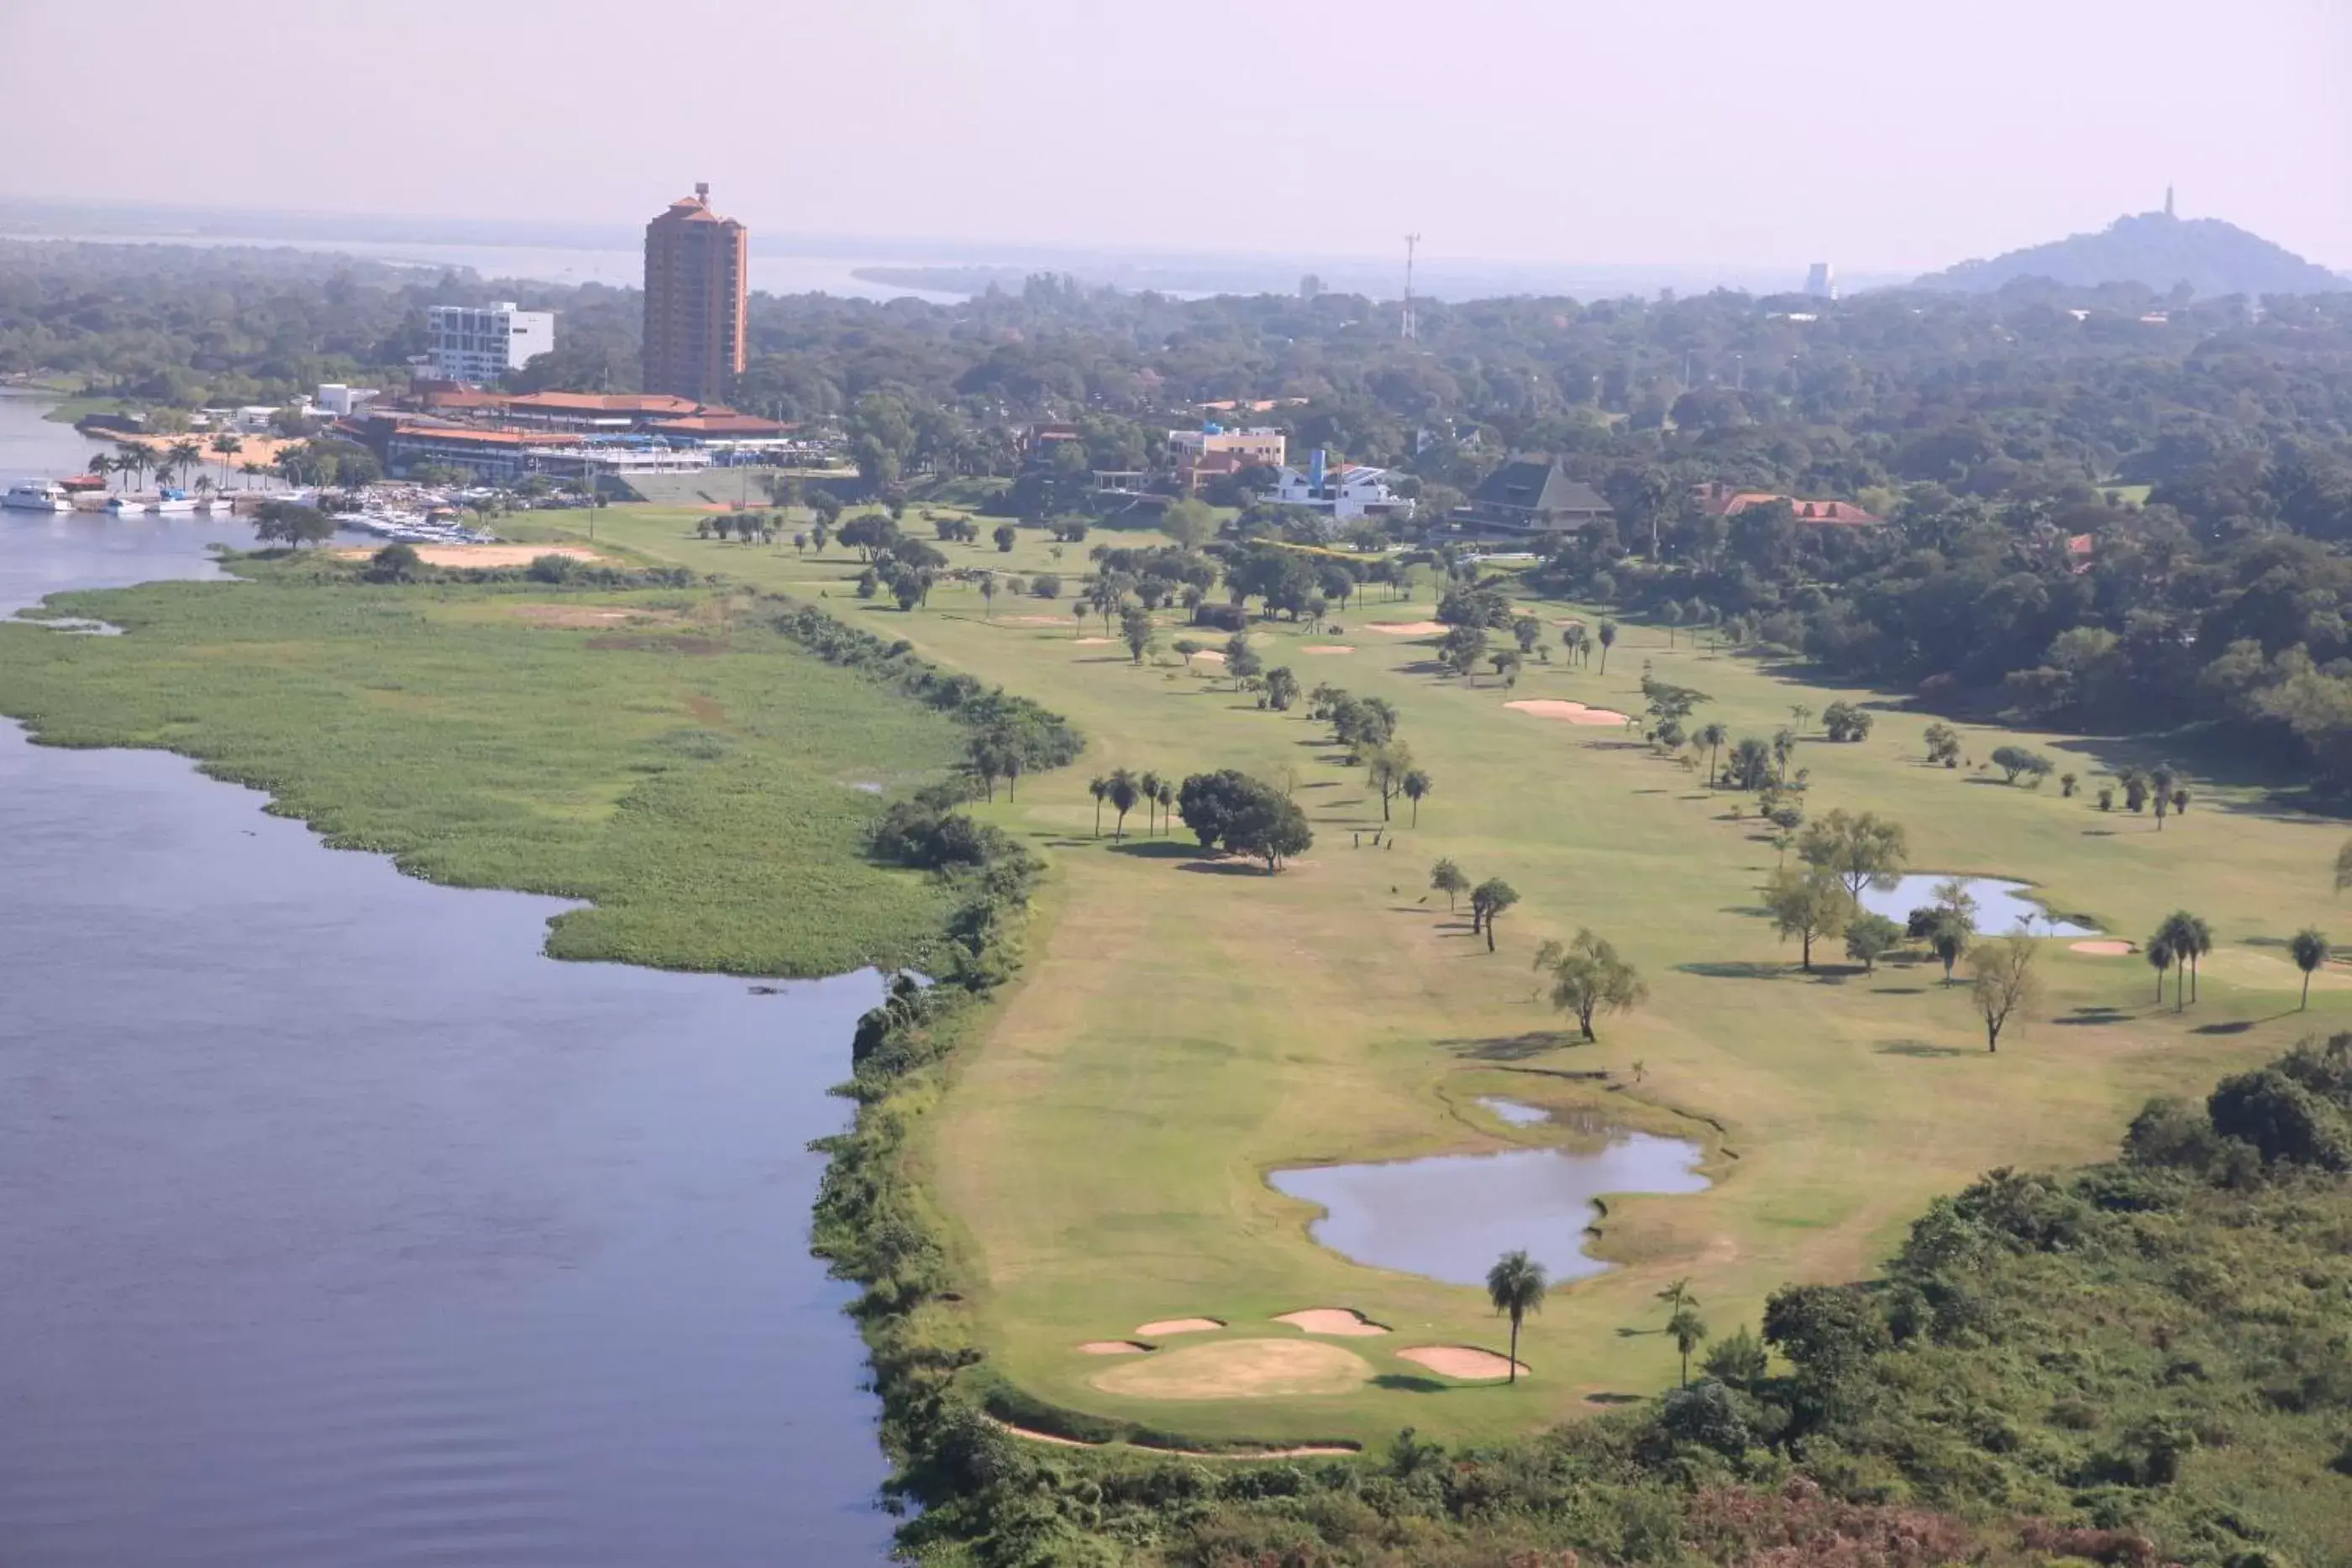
[(1102, 1154), (706, 786)]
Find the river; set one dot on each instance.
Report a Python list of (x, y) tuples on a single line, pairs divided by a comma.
[(340, 1226)]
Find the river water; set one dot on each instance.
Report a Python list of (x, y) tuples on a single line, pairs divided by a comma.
[(339, 1227)]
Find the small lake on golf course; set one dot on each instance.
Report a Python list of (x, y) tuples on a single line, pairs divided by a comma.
[(2001, 906), (1449, 1217)]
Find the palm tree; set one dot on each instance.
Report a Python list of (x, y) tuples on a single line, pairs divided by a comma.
[(1416, 785), (226, 447), (1098, 786), (131, 457), (1712, 737), (102, 464), (1678, 1295), (2160, 780), (1148, 790), (2342, 856), (1166, 794), (1687, 1330), (1575, 638), (1516, 1284), (2160, 958), (1784, 746), (987, 592), (1799, 713), (1124, 793), (185, 454), (1607, 640), (2310, 951)]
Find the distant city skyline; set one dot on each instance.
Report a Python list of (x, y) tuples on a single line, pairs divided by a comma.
[(1561, 133)]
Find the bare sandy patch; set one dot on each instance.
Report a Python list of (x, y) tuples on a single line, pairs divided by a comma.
[(1571, 713), (1167, 1326), (1241, 1369), (1088, 641), (1036, 1436), (591, 617), (1332, 1321), (1035, 620), (1409, 628), (1210, 655), (2101, 949), (480, 555), (1113, 1347), (1460, 1361), (1329, 648)]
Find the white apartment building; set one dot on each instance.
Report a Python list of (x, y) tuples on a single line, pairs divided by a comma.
[(478, 345)]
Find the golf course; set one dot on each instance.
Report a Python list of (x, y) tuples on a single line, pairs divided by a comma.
[(1186, 1025)]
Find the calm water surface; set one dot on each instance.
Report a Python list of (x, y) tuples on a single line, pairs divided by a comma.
[(337, 1227), (1449, 1217), (2001, 906)]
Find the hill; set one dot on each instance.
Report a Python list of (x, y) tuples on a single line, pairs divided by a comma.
[(2212, 257)]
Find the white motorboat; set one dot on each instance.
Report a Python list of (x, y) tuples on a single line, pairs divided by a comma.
[(124, 506), (175, 501), (38, 495)]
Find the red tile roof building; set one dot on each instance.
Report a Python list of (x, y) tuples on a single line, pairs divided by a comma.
[(1718, 501), (696, 267)]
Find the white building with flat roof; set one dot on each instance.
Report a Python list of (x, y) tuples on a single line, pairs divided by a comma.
[(1349, 492), (477, 345)]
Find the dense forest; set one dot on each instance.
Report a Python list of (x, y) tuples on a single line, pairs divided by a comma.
[(2109, 510)]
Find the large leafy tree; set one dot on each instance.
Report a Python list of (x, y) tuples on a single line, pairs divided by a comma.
[(1589, 978)]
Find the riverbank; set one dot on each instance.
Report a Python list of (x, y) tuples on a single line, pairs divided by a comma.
[(663, 754)]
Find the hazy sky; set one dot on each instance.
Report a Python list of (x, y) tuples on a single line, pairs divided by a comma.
[(1882, 134)]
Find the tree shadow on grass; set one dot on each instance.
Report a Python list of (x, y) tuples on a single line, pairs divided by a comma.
[(2093, 1016), (1755, 909), (1736, 970), (1157, 848), (1919, 1048), (1513, 1047), (1225, 868), (1613, 1398), (2235, 1026), (1402, 1383)]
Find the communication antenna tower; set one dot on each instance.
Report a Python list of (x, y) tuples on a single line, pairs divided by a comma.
[(1411, 331)]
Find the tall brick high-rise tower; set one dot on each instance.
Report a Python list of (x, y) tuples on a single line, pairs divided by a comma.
[(695, 267)]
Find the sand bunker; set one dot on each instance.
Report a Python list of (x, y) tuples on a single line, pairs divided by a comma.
[(1329, 648), (2100, 949), (1574, 713), (1411, 628), (1089, 642), (1240, 1369), (1167, 1326), (481, 555), (1113, 1347), (1036, 620), (1460, 1361), (1210, 655), (1333, 1321)]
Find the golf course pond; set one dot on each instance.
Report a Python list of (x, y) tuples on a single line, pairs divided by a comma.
[(2001, 906), (1449, 1217)]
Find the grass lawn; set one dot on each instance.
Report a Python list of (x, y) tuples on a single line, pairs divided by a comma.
[(1182, 1028), (704, 785)]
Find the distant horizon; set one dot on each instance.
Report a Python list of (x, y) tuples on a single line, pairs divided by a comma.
[(1508, 133), (1440, 275)]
